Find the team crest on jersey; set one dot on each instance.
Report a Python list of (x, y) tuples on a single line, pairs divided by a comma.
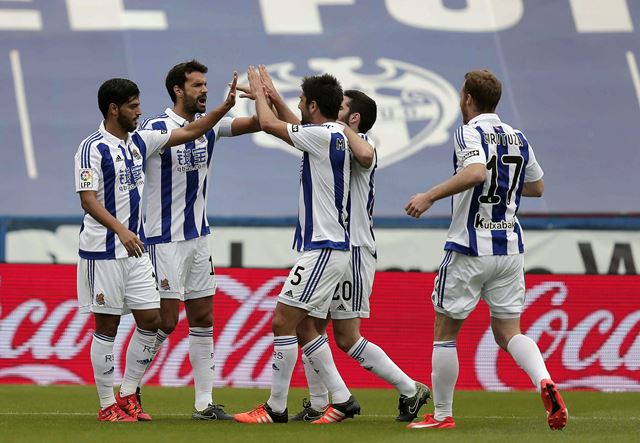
[(100, 299), (416, 107), (136, 154), (164, 284)]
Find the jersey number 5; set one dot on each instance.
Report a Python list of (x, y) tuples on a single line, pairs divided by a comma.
[(491, 197)]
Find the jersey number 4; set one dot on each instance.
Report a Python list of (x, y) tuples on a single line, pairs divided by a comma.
[(491, 197)]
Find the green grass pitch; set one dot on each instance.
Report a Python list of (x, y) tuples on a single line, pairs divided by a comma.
[(68, 414)]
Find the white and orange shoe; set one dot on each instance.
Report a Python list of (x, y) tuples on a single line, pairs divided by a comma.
[(338, 412), (430, 422), (131, 405), (557, 413), (114, 413), (262, 414)]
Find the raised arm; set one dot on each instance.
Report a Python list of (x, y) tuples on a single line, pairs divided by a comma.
[(268, 120), (129, 240), (284, 113), (202, 125), (362, 151), (471, 176)]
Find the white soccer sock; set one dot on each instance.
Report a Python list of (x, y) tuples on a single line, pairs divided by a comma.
[(372, 358), (444, 363), (139, 354), (319, 355), (527, 354), (318, 393), (285, 356), (201, 358), (102, 363)]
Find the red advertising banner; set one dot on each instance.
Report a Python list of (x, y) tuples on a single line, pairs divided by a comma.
[(587, 327)]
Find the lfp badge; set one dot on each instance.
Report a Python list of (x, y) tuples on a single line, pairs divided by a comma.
[(86, 178), (416, 107)]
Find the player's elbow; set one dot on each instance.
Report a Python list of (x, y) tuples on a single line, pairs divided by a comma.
[(477, 174), (534, 189), (269, 126), (366, 160)]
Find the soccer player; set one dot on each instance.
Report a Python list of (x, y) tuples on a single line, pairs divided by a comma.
[(321, 236), (115, 275), (350, 302), (176, 225), (494, 167)]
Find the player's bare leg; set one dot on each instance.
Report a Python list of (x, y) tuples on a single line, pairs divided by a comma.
[(527, 354)]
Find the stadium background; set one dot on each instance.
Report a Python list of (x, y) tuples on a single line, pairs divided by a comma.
[(570, 81)]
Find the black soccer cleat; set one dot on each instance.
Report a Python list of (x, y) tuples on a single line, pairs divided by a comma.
[(307, 413), (410, 406)]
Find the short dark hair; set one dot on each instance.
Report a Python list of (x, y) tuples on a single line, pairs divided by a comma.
[(484, 87), (326, 91), (116, 90), (363, 105), (177, 76)]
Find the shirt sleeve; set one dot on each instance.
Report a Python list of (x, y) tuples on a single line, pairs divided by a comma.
[(312, 139), (88, 173), (533, 172), (468, 147), (154, 140)]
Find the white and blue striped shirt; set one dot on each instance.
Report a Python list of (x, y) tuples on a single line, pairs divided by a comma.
[(115, 169), (176, 197), (324, 186), (361, 201), (484, 218)]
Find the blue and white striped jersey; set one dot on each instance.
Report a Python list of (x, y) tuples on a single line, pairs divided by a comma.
[(176, 197), (484, 218), (361, 202), (115, 169), (324, 186)]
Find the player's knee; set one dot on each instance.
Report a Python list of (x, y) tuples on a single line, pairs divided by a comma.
[(501, 339), (279, 325), (345, 341), (168, 324), (201, 320)]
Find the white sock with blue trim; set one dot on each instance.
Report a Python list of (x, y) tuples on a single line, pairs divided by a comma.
[(139, 355), (321, 359), (318, 393), (102, 363), (285, 356), (372, 358), (444, 374), (201, 358), (527, 354)]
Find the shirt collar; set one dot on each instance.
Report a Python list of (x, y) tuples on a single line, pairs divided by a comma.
[(175, 117), (112, 138), (483, 117)]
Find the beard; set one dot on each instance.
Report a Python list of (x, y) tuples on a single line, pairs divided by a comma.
[(193, 106), (127, 124)]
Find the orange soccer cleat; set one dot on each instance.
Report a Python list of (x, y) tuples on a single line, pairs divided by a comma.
[(431, 423), (114, 413), (262, 414), (131, 405), (338, 412), (557, 413)]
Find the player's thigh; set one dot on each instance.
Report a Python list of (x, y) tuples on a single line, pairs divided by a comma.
[(313, 279), (200, 278), (141, 292), (101, 286), (504, 292), (169, 261), (351, 298), (458, 285)]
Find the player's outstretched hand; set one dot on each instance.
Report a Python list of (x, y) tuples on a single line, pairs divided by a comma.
[(230, 101), (131, 243), (246, 91), (269, 88), (418, 204)]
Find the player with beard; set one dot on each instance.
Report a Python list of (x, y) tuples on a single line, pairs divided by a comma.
[(177, 229), (115, 274)]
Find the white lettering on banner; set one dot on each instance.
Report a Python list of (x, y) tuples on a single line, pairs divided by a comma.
[(110, 15), (608, 355), (476, 16), (295, 17), (599, 16)]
